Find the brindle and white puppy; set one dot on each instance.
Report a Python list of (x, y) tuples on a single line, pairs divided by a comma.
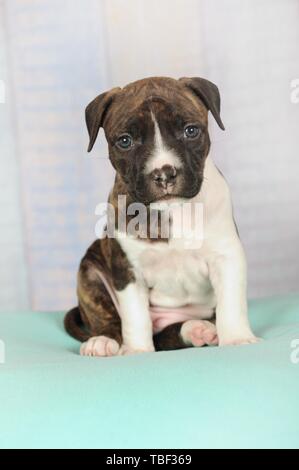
[(157, 131)]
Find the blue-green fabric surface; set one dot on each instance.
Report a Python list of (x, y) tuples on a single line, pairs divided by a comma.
[(230, 397)]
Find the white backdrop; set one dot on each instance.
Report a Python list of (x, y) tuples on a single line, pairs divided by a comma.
[(56, 56)]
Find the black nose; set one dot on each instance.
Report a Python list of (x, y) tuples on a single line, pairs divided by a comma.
[(164, 176)]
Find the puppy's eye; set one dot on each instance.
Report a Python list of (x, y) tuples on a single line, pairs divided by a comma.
[(124, 142), (191, 131)]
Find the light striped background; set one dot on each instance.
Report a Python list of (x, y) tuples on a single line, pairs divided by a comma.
[(56, 56)]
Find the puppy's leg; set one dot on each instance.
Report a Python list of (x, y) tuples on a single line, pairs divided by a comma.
[(133, 299), (229, 280), (185, 334), (137, 330), (100, 319), (170, 338)]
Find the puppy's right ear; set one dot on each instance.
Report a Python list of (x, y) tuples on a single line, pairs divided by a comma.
[(95, 114)]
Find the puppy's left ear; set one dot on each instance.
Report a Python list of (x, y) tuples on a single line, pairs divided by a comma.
[(95, 114), (208, 93)]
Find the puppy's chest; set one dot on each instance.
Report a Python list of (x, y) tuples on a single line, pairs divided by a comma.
[(175, 276)]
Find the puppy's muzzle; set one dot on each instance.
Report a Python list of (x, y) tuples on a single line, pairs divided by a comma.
[(165, 178)]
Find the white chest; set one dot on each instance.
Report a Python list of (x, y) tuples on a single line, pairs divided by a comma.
[(174, 276)]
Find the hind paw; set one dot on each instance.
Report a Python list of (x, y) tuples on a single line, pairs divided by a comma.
[(199, 332)]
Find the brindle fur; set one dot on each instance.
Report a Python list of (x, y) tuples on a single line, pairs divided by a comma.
[(125, 110)]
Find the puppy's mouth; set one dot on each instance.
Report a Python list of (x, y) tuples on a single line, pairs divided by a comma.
[(181, 196), (167, 197), (185, 193)]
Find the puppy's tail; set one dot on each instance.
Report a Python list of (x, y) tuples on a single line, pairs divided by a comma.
[(74, 325)]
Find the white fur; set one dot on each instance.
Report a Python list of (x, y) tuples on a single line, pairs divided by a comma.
[(199, 332), (100, 346), (135, 317), (213, 275), (161, 154)]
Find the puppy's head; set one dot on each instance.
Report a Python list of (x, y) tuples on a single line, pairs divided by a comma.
[(157, 132)]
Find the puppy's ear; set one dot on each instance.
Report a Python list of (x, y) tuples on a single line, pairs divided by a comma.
[(95, 114), (208, 93)]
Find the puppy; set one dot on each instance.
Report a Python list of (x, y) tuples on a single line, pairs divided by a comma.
[(139, 294)]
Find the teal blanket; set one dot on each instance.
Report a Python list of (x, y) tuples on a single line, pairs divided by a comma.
[(230, 397)]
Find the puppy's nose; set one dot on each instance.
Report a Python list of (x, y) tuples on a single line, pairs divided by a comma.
[(164, 176)]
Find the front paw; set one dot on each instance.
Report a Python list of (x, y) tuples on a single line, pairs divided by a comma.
[(101, 346), (239, 340), (129, 350)]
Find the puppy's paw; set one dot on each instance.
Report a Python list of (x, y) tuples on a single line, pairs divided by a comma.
[(237, 341), (199, 332), (100, 346), (127, 350)]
